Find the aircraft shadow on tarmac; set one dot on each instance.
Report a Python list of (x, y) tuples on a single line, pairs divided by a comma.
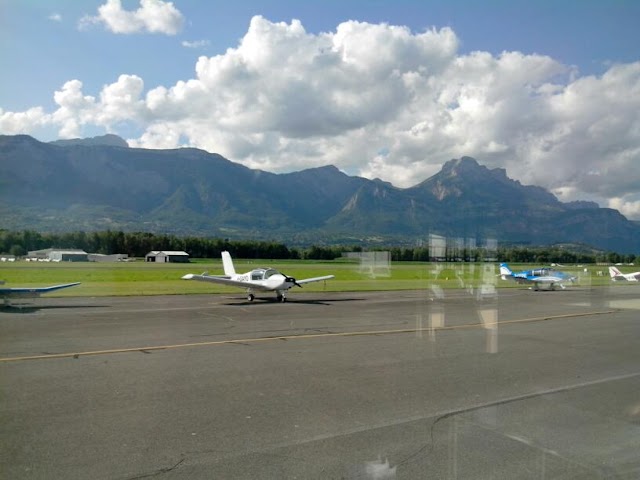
[(35, 308), (273, 301)]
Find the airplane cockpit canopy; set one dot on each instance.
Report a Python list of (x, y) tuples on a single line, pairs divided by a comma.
[(542, 272), (546, 272), (262, 273)]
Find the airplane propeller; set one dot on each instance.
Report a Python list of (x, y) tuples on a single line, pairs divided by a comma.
[(290, 280)]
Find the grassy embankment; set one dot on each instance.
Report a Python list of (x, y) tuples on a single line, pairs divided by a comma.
[(140, 278)]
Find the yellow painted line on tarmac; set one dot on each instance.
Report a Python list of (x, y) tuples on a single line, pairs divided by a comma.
[(245, 341)]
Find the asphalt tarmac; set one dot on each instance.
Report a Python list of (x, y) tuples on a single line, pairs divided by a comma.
[(379, 385)]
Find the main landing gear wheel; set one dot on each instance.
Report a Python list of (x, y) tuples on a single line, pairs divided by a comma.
[(250, 297)]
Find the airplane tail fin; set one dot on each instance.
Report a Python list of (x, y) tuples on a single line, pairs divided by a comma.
[(227, 263), (505, 270), (614, 272)]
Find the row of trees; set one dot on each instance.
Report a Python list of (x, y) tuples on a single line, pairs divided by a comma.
[(546, 255), (138, 244)]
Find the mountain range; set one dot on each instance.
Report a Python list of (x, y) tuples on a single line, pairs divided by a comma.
[(101, 183)]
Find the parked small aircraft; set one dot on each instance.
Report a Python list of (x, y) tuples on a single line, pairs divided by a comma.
[(259, 279), (537, 277), (7, 294), (617, 275)]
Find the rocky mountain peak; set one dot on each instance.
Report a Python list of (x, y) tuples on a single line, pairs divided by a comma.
[(463, 165), (192, 192)]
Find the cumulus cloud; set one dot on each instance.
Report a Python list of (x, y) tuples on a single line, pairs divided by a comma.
[(153, 16), (379, 100), (14, 123), (628, 207), (118, 102), (74, 109), (55, 17)]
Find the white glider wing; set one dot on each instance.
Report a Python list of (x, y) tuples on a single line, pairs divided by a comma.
[(26, 291), (7, 294)]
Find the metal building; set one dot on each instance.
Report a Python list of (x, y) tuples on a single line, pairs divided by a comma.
[(167, 256), (59, 255)]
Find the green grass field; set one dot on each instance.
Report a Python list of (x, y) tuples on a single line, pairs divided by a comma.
[(140, 278)]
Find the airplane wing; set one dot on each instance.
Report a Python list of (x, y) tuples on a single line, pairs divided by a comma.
[(25, 291), (544, 279), (522, 280), (315, 279), (516, 278), (224, 281)]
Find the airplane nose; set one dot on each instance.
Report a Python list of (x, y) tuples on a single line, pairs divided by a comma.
[(291, 280)]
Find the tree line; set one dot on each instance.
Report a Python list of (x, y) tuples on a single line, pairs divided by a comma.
[(138, 244)]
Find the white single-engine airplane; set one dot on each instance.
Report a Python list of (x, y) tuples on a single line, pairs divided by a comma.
[(617, 275), (537, 277), (7, 294), (259, 279)]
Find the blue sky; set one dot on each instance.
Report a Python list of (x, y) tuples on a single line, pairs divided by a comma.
[(548, 90), (44, 53)]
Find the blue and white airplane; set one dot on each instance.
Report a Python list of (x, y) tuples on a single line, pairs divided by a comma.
[(537, 277), (7, 293)]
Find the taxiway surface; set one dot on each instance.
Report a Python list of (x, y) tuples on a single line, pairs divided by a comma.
[(329, 385)]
